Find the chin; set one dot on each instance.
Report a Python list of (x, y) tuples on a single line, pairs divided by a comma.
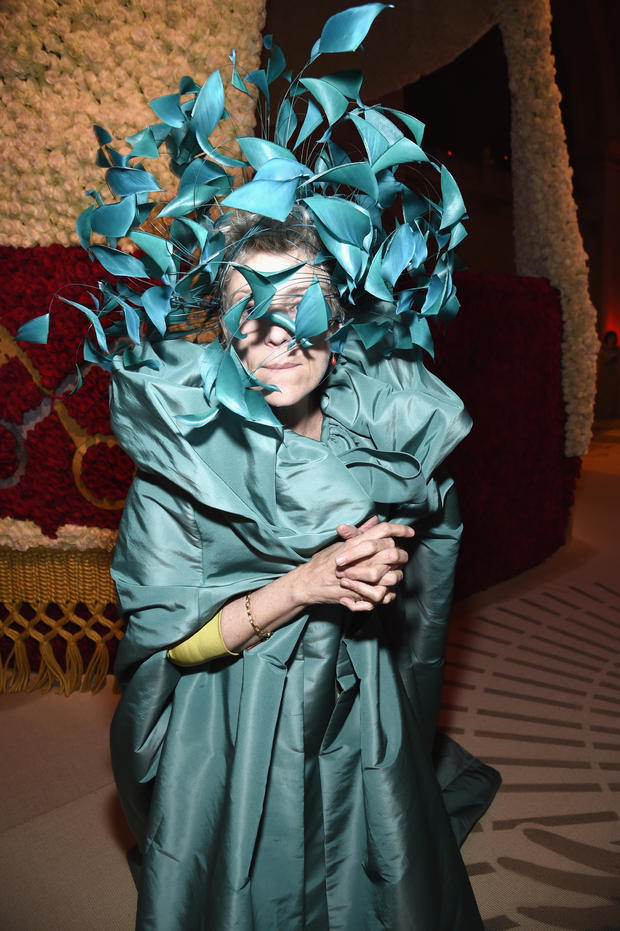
[(280, 399)]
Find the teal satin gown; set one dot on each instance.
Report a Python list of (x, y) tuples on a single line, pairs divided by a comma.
[(292, 788)]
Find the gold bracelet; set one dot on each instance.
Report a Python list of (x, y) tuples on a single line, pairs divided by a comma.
[(260, 633)]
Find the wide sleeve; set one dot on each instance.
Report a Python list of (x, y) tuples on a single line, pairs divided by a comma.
[(425, 600), (158, 569)]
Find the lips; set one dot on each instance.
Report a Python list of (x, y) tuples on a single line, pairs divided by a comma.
[(281, 368)]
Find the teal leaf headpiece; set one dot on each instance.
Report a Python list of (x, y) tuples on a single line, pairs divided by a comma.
[(388, 246)]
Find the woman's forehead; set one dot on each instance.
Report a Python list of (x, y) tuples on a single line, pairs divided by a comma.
[(268, 262)]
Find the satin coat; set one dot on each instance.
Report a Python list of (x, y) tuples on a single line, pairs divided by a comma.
[(291, 788)]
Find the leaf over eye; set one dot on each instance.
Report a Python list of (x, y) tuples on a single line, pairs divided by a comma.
[(313, 313), (232, 317)]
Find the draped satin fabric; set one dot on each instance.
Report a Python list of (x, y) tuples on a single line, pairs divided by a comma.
[(292, 788)]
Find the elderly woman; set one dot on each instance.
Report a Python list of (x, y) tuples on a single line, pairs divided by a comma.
[(282, 662), (286, 556)]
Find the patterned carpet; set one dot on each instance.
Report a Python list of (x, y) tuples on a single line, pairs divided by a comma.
[(533, 687)]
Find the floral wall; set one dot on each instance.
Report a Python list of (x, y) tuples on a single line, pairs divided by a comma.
[(65, 66), (548, 242)]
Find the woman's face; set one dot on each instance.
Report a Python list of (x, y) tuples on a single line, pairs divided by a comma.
[(264, 349)]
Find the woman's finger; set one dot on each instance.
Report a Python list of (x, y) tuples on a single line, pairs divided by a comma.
[(367, 548), (372, 574), (389, 598), (357, 604), (388, 529), (372, 593), (388, 558), (347, 531)]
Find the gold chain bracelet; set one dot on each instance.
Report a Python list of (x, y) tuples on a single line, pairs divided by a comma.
[(260, 633)]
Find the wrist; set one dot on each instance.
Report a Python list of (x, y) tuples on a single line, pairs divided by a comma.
[(298, 594)]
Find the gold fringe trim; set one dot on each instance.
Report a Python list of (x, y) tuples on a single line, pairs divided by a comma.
[(35, 586), (41, 574)]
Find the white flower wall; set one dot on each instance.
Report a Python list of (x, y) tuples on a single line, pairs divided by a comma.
[(66, 64), (547, 238)]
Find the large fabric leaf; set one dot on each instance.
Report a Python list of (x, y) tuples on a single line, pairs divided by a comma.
[(453, 206), (421, 334), (333, 103), (168, 109), (435, 295), (189, 199), (416, 127), (348, 83), (144, 144), (389, 130), (83, 227), (132, 321), (232, 317), (312, 313), (259, 79), (35, 330), (312, 121), (374, 142), (158, 248), (263, 284), (223, 159), (281, 169), (258, 151), (375, 283), (344, 220), (457, 235), (156, 302), (119, 263), (124, 181), (355, 174), (351, 258), (229, 388), (208, 108), (280, 319), (398, 253), (345, 31), (277, 62), (201, 171), (102, 136), (286, 123), (236, 80), (401, 152), (184, 229), (114, 220), (270, 198)]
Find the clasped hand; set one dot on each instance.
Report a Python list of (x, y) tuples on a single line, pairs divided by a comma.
[(363, 570)]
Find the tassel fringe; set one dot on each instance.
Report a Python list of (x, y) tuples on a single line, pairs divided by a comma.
[(33, 662)]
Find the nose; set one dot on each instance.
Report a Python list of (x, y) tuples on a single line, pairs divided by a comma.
[(281, 328), (276, 335)]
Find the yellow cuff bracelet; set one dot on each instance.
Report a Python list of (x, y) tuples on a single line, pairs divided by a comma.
[(207, 643)]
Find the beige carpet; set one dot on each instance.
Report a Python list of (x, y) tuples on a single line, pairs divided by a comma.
[(533, 686)]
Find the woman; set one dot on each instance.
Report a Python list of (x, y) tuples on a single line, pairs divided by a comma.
[(282, 663), (274, 745)]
